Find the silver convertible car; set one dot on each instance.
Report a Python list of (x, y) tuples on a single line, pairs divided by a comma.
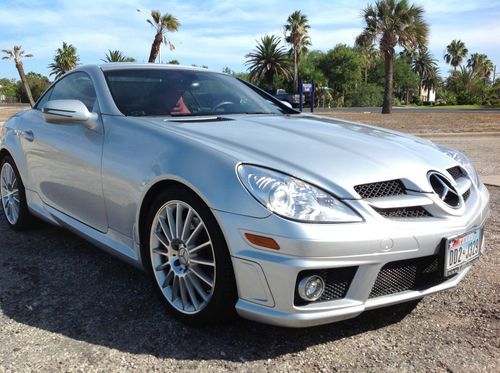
[(234, 202)]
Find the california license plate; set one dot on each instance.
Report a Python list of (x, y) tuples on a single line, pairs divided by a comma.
[(461, 251)]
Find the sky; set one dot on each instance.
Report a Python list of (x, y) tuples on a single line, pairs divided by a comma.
[(219, 33)]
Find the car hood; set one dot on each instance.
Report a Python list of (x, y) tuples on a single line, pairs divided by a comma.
[(330, 153)]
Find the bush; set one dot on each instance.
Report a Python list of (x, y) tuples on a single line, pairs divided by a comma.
[(468, 98), (417, 100), (446, 98), (365, 95)]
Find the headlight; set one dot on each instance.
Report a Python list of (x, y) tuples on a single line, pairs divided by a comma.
[(293, 198), (463, 160)]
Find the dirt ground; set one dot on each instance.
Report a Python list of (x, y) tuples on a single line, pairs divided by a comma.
[(428, 122), (67, 306)]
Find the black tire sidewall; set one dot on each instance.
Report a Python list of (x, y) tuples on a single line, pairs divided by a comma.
[(221, 305)]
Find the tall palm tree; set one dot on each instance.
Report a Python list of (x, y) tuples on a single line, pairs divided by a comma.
[(392, 23), (17, 54), (297, 35), (65, 60), (455, 53), (117, 56), (481, 65), (162, 23), (424, 65), (268, 60)]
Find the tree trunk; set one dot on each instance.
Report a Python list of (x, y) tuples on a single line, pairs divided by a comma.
[(366, 75), (20, 69), (387, 107), (155, 47), (295, 71), (428, 94)]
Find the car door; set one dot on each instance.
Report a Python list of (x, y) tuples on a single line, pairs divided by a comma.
[(65, 160)]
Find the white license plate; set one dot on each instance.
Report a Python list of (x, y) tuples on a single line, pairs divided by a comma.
[(461, 251)]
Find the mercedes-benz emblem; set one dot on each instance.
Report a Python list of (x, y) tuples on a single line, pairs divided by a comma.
[(444, 189)]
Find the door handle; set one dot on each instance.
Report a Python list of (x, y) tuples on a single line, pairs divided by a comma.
[(28, 135)]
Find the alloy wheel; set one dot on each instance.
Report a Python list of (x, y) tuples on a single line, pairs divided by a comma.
[(10, 193), (182, 257)]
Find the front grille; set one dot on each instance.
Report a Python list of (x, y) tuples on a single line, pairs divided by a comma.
[(337, 282), (456, 172), (404, 212), (381, 189), (409, 274)]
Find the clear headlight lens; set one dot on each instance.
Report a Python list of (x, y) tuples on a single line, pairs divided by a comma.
[(293, 198), (463, 160)]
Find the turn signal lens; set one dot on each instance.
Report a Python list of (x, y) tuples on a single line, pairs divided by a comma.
[(262, 241)]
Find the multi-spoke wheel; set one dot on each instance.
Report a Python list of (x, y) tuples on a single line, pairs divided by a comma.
[(189, 258), (13, 195)]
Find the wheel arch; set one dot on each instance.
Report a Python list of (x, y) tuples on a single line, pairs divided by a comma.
[(151, 195)]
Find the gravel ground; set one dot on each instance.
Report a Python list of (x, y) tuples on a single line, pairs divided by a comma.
[(67, 306)]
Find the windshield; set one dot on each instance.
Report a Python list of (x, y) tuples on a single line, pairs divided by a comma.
[(169, 92)]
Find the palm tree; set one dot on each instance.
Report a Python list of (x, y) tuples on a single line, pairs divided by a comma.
[(481, 65), (430, 80), (392, 23), (117, 56), (296, 34), (17, 54), (424, 65), (162, 24), (370, 55), (65, 60), (455, 53), (268, 60)]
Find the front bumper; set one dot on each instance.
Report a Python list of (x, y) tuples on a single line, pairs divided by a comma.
[(266, 279)]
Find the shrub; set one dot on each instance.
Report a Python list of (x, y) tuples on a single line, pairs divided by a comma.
[(365, 95)]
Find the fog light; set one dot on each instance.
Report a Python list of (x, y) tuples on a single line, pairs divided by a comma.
[(311, 288)]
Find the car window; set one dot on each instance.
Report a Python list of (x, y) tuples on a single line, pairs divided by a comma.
[(46, 97), (76, 86), (172, 92)]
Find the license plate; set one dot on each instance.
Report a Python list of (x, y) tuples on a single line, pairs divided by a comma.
[(461, 251)]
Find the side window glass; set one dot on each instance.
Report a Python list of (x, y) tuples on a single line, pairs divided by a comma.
[(41, 103), (77, 86)]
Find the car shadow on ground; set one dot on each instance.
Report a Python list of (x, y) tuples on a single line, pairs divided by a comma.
[(55, 281)]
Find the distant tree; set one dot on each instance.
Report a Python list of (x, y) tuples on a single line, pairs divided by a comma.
[(17, 54), (309, 68), (117, 56), (370, 55), (424, 65), (65, 60), (392, 23), (201, 66), (342, 67), (455, 53), (8, 87), (431, 80), (481, 65), (173, 62), (297, 35), (162, 23), (268, 60), (38, 83), (467, 85)]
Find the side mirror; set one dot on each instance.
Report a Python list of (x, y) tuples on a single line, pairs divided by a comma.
[(286, 103), (68, 112)]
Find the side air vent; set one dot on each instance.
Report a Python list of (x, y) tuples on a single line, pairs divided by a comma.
[(381, 189)]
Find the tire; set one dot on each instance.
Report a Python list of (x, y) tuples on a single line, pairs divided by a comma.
[(13, 195), (189, 262)]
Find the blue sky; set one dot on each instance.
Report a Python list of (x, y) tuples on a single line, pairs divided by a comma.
[(218, 33)]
